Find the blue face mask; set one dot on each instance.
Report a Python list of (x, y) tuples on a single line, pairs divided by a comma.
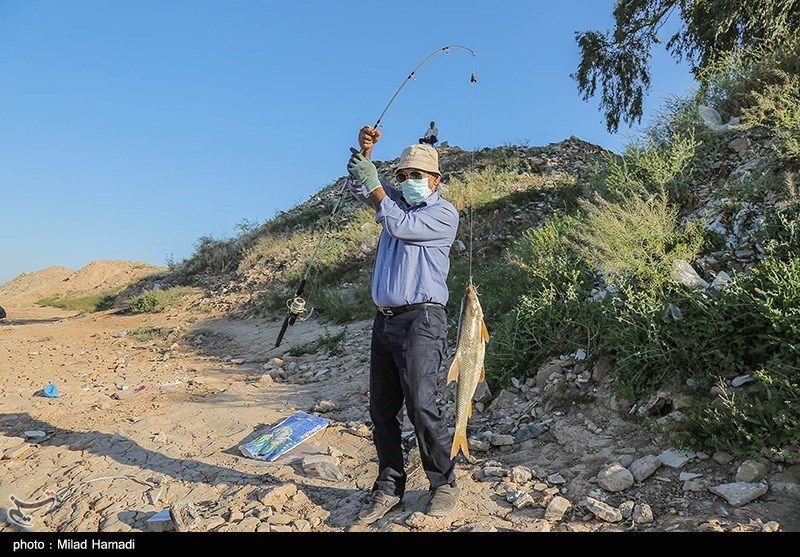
[(416, 191)]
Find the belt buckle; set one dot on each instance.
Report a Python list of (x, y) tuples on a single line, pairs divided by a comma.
[(386, 311)]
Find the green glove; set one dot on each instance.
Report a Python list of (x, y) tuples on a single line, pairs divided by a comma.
[(364, 171)]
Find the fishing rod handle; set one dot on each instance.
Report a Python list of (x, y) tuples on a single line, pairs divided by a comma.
[(283, 331)]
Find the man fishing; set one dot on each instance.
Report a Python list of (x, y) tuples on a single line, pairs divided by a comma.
[(409, 332)]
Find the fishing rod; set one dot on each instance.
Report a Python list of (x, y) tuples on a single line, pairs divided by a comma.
[(296, 305)]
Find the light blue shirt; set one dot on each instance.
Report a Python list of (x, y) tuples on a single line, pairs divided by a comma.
[(413, 256)]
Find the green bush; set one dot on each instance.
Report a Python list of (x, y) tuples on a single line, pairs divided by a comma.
[(156, 301), (765, 342), (545, 323), (654, 164), (636, 241), (550, 315), (777, 107), (95, 302), (729, 82)]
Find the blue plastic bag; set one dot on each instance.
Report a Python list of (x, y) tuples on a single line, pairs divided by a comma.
[(51, 391)]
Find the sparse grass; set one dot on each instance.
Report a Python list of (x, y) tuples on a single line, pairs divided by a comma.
[(276, 250), (333, 344), (315, 215), (477, 189), (95, 302), (156, 301), (148, 333)]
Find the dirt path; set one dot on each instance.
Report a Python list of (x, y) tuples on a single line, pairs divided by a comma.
[(212, 384)]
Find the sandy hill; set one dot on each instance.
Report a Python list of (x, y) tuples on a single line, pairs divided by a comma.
[(96, 278)]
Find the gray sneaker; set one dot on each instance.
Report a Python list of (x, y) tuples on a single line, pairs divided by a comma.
[(380, 504), (444, 500)]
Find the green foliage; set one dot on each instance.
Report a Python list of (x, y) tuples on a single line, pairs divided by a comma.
[(651, 348), (554, 319), (333, 344), (95, 302), (547, 256), (635, 241), (654, 332), (781, 237), (550, 316), (755, 187), (746, 424), (750, 327), (762, 86), (148, 333), (618, 61), (732, 81), (345, 304), (653, 164), (777, 107), (156, 301)]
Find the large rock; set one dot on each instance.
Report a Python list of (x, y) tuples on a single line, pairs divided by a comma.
[(615, 478), (557, 508), (644, 467), (739, 493), (751, 471), (601, 510)]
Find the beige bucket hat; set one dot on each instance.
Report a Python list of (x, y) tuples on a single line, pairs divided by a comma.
[(421, 157)]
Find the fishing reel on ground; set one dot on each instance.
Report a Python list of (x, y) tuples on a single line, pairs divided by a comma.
[(297, 308)]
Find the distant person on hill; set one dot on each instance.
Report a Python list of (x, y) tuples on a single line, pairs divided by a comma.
[(431, 136)]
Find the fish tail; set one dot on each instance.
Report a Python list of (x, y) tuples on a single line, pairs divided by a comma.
[(460, 442)]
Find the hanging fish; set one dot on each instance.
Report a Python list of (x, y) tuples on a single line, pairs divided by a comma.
[(467, 368)]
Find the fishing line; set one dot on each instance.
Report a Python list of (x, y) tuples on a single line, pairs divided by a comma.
[(296, 305), (472, 169)]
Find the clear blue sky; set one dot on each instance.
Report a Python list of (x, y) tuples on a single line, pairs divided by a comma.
[(129, 129)]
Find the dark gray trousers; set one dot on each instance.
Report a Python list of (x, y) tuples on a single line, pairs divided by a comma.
[(407, 352)]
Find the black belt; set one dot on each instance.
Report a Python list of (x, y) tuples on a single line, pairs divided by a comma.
[(402, 309)]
